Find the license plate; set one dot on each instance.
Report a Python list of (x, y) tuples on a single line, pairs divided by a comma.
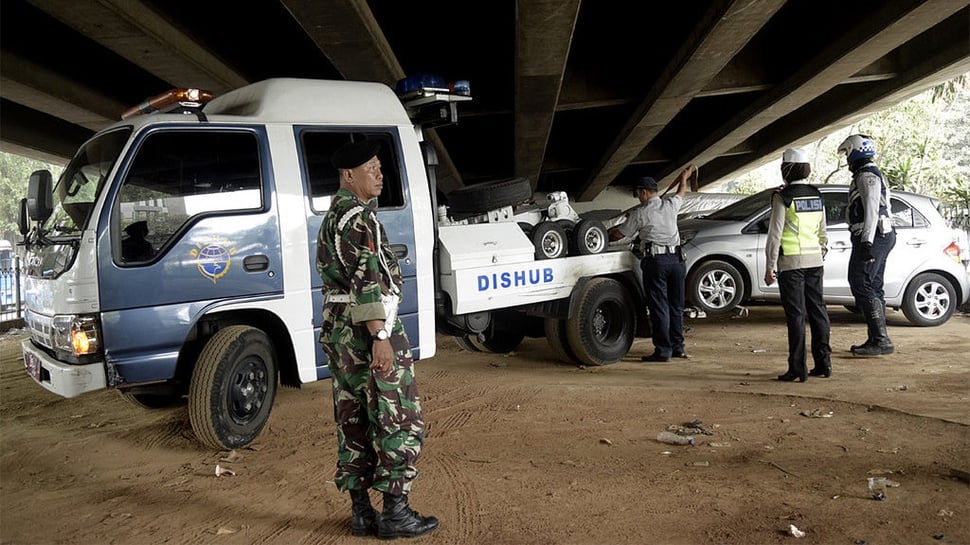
[(32, 364)]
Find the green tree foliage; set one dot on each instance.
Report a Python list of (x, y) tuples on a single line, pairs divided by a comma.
[(14, 172)]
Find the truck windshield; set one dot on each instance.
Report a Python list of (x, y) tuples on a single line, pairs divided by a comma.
[(81, 182)]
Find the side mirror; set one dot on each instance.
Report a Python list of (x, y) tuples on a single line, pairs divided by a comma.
[(22, 222), (40, 195)]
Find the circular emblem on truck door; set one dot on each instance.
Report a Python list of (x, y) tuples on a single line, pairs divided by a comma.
[(213, 259)]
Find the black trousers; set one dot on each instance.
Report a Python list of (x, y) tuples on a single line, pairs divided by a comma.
[(663, 282), (801, 297)]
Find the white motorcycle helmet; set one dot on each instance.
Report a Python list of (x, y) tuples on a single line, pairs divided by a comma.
[(858, 147)]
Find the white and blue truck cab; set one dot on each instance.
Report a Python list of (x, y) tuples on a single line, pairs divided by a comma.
[(173, 260)]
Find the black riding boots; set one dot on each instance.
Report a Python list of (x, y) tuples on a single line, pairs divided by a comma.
[(363, 519), (398, 520), (878, 343)]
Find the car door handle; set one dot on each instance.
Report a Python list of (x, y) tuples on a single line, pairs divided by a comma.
[(400, 250), (255, 263), (915, 242), (840, 246)]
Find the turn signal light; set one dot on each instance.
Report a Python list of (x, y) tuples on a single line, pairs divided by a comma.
[(953, 251)]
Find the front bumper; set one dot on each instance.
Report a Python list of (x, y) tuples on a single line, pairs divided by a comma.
[(61, 378)]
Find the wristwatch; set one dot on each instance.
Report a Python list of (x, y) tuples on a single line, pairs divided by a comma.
[(381, 335)]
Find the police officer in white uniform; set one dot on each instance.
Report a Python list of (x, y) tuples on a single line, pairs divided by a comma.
[(796, 247), (664, 272)]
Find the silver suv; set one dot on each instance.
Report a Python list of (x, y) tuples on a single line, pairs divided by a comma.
[(925, 276)]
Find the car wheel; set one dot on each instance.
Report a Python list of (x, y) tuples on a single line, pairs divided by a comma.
[(930, 300), (233, 387), (464, 342), (486, 196), (589, 237), (716, 287), (549, 240)]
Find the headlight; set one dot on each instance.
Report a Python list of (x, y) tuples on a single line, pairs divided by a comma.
[(76, 334)]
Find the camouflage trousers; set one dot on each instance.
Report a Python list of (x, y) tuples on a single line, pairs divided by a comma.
[(380, 427)]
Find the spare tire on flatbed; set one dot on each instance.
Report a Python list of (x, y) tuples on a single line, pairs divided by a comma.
[(480, 198)]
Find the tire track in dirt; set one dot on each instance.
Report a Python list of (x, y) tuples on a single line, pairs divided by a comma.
[(465, 526)]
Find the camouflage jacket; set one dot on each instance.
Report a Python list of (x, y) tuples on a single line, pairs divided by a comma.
[(349, 263)]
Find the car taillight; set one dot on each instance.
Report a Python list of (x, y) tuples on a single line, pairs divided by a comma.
[(953, 251)]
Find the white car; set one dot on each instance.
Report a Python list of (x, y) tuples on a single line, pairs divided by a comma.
[(924, 277)]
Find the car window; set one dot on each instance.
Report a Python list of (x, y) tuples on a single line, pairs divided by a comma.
[(906, 216), (835, 205), (743, 209), (322, 178), (177, 176)]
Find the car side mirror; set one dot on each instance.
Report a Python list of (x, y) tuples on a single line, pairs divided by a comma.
[(22, 222), (40, 195)]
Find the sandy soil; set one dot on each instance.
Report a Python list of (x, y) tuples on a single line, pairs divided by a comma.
[(522, 449)]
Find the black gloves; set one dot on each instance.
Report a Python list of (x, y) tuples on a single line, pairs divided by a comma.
[(865, 254)]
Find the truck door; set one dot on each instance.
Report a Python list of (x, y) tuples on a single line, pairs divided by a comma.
[(191, 224), (395, 212)]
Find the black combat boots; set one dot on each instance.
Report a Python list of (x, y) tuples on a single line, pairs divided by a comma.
[(398, 520), (363, 519), (878, 343)]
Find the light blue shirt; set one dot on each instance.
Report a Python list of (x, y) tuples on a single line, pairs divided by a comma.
[(655, 221)]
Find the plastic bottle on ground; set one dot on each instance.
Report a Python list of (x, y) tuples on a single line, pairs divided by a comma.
[(674, 439)]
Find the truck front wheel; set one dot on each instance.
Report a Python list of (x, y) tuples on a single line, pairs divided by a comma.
[(233, 387), (601, 330)]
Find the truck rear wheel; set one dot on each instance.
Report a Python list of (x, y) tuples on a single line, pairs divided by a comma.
[(233, 387), (556, 336), (602, 329)]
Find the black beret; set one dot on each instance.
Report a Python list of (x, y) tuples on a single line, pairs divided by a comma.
[(645, 182), (354, 154)]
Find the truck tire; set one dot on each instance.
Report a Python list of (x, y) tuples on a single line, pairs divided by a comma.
[(929, 300), (549, 240), (556, 336), (602, 328), (153, 401), (716, 287), (589, 237), (464, 342), (504, 333), (480, 198), (233, 387)]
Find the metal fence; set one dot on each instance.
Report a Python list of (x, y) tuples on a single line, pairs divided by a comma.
[(11, 289)]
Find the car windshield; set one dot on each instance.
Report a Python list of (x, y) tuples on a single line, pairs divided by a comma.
[(743, 209), (81, 182)]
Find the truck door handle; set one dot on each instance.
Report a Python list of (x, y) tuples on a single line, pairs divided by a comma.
[(255, 263), (400, 250)]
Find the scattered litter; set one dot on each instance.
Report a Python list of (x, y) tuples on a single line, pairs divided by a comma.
[(233, 456), (835, 497), (889, 451), (220, 471), (689, 428), (938, 537), (759, 350), (674, 439), (778, 467), (945, 513), (224, 531), (606, 441), (795, 531), (698, 464), (879, 472), (861, 542), (877, 488), (719, 445), (901, 388), (744, 383), (666, 453), (817, 413)]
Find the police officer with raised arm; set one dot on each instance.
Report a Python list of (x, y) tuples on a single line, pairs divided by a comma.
[(873, 237), (795, 247), (654, 222), (380, 426)]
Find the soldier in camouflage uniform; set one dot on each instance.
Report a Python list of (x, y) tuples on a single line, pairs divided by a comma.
[(380, 427)]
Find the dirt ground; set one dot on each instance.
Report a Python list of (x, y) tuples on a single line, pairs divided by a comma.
[(522, 449)]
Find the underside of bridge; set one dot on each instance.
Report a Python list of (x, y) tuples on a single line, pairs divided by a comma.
[(573, 95)]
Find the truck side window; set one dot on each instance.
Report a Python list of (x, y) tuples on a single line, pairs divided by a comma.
[(835, 205), (179, 175), (322, 178)]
